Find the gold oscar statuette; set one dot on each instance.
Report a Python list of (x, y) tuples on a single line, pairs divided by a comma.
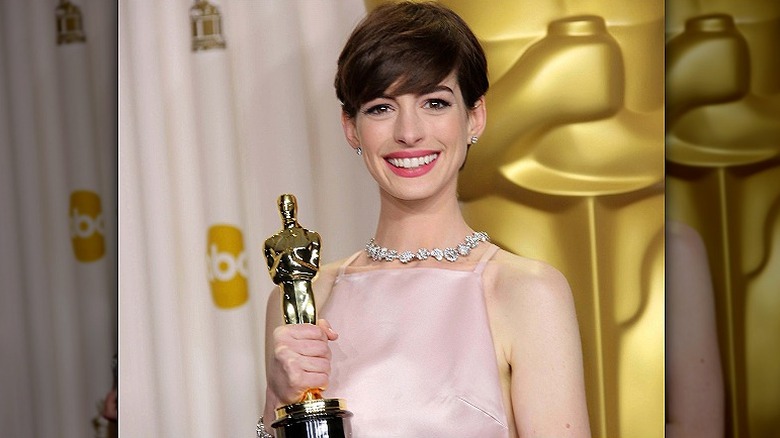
[(293, 256)]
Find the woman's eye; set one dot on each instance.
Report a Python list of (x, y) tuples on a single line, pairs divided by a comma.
[(377, 109), (436, 104)]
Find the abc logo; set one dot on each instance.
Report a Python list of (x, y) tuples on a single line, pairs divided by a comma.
[(226, 266), (86, 226)]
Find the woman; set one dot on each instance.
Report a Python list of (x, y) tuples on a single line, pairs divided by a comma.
[(473, 341)]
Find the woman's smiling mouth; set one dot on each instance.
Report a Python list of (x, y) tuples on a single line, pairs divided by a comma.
[(412, 163), (411, 166)]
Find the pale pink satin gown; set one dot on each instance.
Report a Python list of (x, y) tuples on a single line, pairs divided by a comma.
[(415, 355)]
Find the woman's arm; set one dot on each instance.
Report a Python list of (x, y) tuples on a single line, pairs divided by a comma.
[(545, 353), (694, 381)]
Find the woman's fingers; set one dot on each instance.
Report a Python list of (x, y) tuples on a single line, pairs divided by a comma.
[(307, 372), (299, 331), (329, 332), (301, 358), (296, 349)]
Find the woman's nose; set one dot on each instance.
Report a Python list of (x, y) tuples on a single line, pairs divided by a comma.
[(408, 127)]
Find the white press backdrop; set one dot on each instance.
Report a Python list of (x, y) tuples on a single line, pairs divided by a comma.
[(208, 141), (58, 218)]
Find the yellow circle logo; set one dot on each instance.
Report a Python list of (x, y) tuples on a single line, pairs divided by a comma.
[(86, 226), (226, 266)]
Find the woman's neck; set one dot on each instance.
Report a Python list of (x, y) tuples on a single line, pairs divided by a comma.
[(427, 223)]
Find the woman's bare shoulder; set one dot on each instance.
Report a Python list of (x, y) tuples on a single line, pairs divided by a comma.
[(513, 276), (531, 307), (683, 240), (522, 293), (328, 272), (324, 280)]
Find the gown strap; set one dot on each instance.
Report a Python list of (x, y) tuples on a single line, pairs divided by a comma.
[(347, 262), (485, 258)]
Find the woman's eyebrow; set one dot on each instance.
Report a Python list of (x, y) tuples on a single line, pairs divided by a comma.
[(435, 88), (383, 96), (440, 87)]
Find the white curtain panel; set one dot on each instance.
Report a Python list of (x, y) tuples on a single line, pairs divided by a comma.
[(208, 140), (58, 218)]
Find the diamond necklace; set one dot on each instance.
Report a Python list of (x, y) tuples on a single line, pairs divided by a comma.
[(378, 253)]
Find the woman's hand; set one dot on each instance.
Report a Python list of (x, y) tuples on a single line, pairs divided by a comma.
[(301, 359)]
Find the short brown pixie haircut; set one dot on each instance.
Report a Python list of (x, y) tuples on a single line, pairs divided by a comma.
[(412, 47)]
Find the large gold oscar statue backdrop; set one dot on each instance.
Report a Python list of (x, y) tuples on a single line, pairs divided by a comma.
[(570, 171), (723, 178)]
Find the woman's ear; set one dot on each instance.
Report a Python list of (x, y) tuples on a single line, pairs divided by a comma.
[(477, 117), (350, 130)]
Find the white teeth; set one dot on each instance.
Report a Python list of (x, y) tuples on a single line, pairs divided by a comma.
[(411, 163)]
